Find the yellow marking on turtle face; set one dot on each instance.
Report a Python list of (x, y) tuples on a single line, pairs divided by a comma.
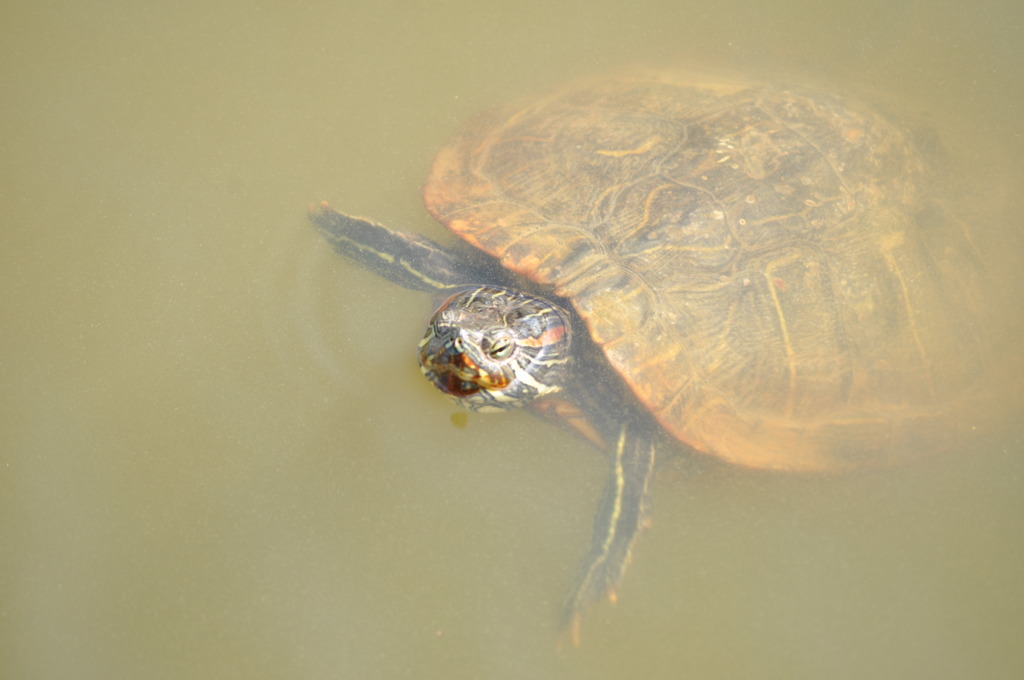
[(642, 149)]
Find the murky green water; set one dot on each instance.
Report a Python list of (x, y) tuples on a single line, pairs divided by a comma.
[(219, 459)]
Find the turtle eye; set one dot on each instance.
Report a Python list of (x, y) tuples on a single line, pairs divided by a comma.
[(458, 345), (500, 348)]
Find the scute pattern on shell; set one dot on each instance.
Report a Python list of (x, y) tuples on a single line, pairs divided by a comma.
[(770, 270)]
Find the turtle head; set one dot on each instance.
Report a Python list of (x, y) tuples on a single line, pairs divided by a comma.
[(493, 348)]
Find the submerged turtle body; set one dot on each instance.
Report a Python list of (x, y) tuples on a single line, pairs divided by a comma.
[(769, 270), (769, 274)]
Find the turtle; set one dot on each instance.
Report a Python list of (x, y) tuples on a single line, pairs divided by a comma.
[(663, 261)]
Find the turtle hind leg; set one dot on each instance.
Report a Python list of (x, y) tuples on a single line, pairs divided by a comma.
[(623, 512)]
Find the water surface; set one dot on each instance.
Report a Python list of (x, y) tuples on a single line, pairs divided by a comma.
[(219, 459)]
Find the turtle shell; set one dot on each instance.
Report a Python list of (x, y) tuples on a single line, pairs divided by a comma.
[(768, 269)]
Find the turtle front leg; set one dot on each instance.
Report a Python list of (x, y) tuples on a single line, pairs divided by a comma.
[(409, 260), (623, 512)]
